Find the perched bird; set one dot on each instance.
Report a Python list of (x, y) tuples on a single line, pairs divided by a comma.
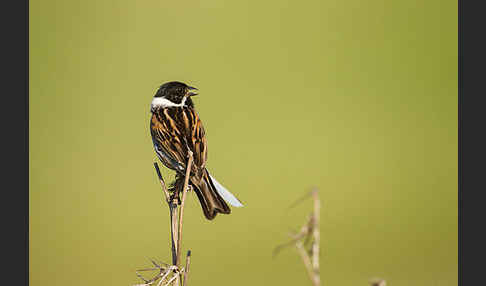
[(176, 128)]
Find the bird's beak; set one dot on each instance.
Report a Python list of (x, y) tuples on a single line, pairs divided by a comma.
[(192, 93)]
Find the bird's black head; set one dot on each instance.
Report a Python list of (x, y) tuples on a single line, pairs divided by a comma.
[(176, 91)]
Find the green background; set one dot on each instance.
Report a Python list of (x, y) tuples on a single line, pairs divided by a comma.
[(356, 97)]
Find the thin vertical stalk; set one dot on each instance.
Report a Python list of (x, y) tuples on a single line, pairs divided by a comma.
[(173, 229), (186, 269), (181, 213), (176, 212), (316, 235)]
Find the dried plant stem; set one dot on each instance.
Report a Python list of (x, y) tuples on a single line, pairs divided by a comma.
[(173, 229), (172, 203), (161, 180), (172, 279), (174, 274), (317, 239), (186, 269), (181, 213), (309, 232), (312, 232), (307, 262), (378, 282)]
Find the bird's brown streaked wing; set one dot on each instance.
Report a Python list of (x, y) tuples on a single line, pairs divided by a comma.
[(175, 130), (167, 141), (197, 139)]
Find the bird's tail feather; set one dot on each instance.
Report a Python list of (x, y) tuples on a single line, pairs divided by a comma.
[(210, 199), (225, 194)]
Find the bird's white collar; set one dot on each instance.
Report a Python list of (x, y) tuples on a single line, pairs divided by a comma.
[(164, 102)]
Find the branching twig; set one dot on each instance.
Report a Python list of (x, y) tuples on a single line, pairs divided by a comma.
[(309, 232), (304, 231), (174, 273), (307, 262), (172, 211)]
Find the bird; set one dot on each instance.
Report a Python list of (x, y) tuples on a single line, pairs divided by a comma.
[(176, 129)]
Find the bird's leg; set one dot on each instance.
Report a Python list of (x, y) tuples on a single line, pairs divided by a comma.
[(177, 188)]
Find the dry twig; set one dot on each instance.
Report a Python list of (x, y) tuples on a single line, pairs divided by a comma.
[(378, 282), (186, 271), (173, 273), (309, 233), (181, 214)]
